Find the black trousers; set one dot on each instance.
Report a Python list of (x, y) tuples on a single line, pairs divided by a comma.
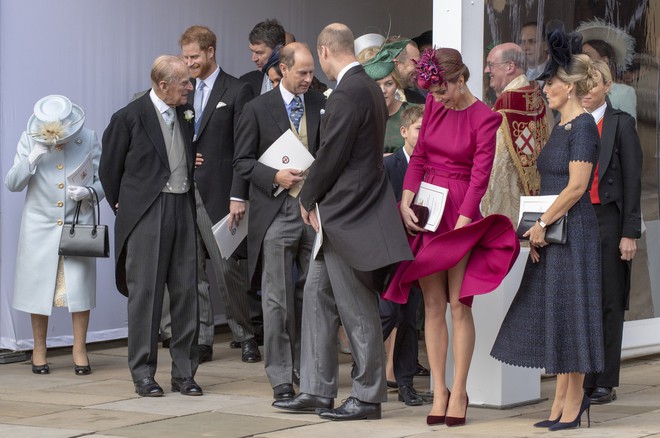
[(404, 318), (615, 289)]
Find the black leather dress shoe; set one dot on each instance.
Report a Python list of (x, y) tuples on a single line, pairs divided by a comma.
[(205, 353), (234, 344), (601, 396), (148, 387), (304, 403), (422, 371), (409, 396), (353, 409), (283, 392), (250, 351), (186, 386)]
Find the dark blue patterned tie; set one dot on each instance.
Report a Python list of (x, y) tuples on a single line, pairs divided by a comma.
[(296, 112)]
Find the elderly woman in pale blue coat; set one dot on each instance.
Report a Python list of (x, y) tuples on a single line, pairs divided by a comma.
[(53, 146)]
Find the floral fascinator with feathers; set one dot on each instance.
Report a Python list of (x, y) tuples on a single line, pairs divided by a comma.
[(561, 48), (429, 70)]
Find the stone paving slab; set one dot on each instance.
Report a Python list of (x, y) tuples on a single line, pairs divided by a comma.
[(66, 399), (238, 398), (211, 424), (10, 431), (388, 427), (14, 410), (19, 378), (89, 419), (176, 405), (119, 388)]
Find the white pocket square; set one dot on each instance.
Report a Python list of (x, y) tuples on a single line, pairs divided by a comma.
[(322, 111), (220, 105)]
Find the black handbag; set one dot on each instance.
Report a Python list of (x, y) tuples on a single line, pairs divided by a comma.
[(85, 240), (554, 233)]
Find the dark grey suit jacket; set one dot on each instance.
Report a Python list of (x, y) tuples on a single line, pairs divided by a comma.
[(134, 168), (347, 180), (263, 121), (620, 169), (215, 141), (255, 79)]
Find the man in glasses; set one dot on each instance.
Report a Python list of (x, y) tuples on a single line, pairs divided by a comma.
[(525, 129)]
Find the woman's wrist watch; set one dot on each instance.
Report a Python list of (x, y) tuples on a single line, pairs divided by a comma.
[(541, 223)]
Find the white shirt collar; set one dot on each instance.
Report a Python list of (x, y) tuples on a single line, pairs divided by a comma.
[(158, 103), (288, 96), (345, 69), (599, 112), (210, 81), (406, 154)]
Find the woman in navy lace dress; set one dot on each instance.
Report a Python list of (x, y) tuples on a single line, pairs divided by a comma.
[(554, 321)]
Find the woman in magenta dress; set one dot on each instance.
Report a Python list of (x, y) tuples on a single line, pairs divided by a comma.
[(467, 255)]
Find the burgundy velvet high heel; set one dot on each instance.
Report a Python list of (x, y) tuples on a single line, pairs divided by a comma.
[(458, 421), (438, 419)]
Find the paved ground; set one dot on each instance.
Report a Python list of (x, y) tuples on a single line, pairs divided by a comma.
[(237, 404)]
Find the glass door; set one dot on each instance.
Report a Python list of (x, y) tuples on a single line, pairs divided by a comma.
[(634, 25)]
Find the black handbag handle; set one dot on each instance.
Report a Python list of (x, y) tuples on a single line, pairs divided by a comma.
[(76, 215)]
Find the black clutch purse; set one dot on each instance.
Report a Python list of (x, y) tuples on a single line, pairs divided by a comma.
[(422, 212), (554, 233), (85, 240)]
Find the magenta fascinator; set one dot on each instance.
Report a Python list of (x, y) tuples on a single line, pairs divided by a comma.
[(429, 70)]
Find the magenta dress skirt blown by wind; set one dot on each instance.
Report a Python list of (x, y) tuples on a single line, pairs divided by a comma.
[(491, 242)]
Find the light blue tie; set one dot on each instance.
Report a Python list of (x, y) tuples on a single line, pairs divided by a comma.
[(296, 112), (168, 116), (199, 104)]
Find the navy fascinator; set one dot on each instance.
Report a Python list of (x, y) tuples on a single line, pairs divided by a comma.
[(561, 48)]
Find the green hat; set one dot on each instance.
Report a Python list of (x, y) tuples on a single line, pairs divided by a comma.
[(382, 64)]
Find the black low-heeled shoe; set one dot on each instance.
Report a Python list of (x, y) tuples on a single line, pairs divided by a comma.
[(40, 369), (81, 370)]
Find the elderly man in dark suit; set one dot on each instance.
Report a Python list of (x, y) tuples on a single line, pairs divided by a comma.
[(218, 101), (362, 232), (277, 235), (146, 170)]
